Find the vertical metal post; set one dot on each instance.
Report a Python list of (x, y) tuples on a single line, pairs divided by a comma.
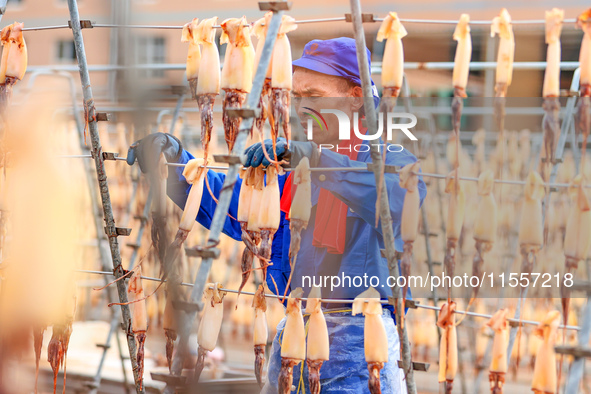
[(385, 217), (186, 319), (102, 179)]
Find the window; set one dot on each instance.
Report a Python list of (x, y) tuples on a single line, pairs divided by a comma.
[(151, 50), (66, 51)]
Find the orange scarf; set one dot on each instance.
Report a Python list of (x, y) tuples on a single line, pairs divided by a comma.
[(330, 227)]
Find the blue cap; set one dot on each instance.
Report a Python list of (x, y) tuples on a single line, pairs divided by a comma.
[(338, 57)]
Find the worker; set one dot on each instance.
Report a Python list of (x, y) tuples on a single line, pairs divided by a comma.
[(341, 239)]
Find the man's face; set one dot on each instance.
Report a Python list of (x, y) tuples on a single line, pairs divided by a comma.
[(320, 91)]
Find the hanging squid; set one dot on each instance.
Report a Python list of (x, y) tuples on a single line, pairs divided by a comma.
[(409, 226), (545, 377), (551, 90), (448, 347), (577, 237), (208, 81), (159, 231), (299, 211), (14, 61), (374, 335), (317, 343), (38, 344), (501, 25), (455, 219), (139, 317), (293, 341), (210, 324), (260, 31), (462, 57), (193, 55), (194, 173), (269, 217), (498, 362), (261, 332), (57, 349), (393, 32), (281, 82), (237, 72), (244, 202), (485, 224), (170, 330), (531, 230)]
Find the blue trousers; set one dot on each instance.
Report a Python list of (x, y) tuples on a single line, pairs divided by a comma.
[(346, 370)]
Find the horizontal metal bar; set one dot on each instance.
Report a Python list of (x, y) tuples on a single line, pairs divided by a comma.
[(344, 301), (46, 28), (354, 169), (376, 67), (475, 22), (306, 21)]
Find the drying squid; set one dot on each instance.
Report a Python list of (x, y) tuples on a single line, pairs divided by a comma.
[(159, 231), (463, 56), (485, 225), (374, 335), (583, 121), (260, 31), (14, 60), (299, 211), (194, 173), (281, 71), (501, 25), (261, 332), (139, 317), (392, 31), (545, 377), (448, 347), (57, 349), (317, 343), (170, 330), (455, 219), (193, 56), (498, 362), (208, 81), (269, 217), (293, 342), (577, 237), (301, 206), (210, 324), (409, 226), (531, 230), (237, 72), (249, 237), (551, 90), (38, 331)]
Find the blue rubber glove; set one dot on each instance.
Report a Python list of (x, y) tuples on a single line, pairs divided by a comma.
[(296, 151), (147, 151)]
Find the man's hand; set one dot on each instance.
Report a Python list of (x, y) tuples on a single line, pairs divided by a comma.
[(296, 151), (147, 151)]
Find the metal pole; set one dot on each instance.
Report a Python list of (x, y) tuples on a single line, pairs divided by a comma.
[(186, 318), (385, 217), (104, 187)]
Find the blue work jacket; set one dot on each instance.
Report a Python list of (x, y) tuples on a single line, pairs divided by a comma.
[(363, 240)]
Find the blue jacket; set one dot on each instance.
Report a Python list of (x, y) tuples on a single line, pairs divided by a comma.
[(363, 241)]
